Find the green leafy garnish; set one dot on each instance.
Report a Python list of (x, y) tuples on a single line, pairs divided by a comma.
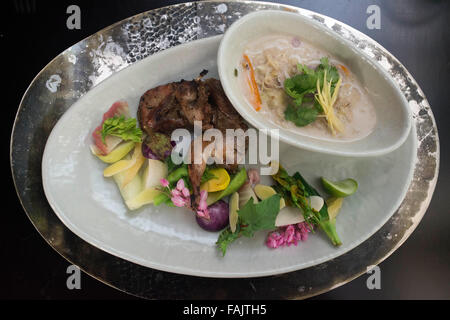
[(297, 191), (226, 237), (161, 198), (303, 87), (301, 116), (259, 216), (331, 71), (171, 166), (252, 217), (123, 128)]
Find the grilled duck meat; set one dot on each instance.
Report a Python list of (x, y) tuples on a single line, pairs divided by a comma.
[(179, 104), (193, 99), (224, 114), (159, 110)]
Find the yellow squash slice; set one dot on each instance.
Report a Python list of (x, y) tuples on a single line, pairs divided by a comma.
[(219, 183)]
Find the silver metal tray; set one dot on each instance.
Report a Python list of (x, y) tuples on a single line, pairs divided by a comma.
[(79, 68)]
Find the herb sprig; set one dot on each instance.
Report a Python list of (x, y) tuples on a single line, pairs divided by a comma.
[(123, 128), (302, 88), (296, 191)]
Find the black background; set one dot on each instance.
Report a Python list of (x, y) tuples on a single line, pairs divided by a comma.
[(417, 32)]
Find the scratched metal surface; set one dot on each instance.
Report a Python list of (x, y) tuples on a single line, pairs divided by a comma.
[(79, 68)]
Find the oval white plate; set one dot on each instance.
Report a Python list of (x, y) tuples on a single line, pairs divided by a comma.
[(169, 238), (392, 110)]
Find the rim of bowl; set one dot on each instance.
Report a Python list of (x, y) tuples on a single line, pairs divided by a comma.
[(260, 125)]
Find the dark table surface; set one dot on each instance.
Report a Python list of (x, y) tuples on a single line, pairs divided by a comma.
[(415, 31)]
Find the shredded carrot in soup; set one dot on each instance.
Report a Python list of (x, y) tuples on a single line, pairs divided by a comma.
[(252, 84)]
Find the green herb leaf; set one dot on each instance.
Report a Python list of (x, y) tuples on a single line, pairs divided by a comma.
[(171, 166), (252, 217), (301, 116), (300, 85), (302, 88), (332, 72), (226, 237), (259, 216), (122, 128)]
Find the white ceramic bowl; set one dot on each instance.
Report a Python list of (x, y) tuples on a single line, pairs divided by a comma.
[(392, 110)]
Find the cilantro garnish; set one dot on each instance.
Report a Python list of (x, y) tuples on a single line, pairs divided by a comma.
[(303, 87)]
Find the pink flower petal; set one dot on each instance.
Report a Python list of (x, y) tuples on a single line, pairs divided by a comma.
[(164, 182), (200, 213), (203, 214), (178, 201), (176, 193), (180, 185), (202, 205), (186, 192)]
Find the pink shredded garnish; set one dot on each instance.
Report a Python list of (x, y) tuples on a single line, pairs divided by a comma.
[(303, 231), (286, 236)]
